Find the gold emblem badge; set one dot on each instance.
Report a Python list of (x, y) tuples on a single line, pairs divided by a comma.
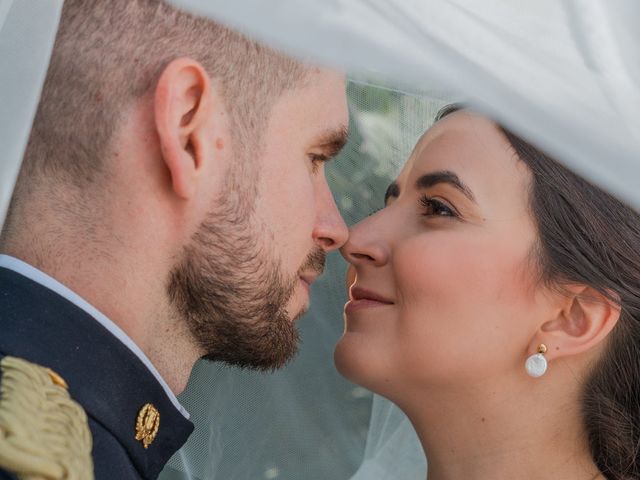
[(147, 424)]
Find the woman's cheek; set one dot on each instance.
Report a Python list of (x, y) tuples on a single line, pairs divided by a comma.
[(438, 267), (449, 317)]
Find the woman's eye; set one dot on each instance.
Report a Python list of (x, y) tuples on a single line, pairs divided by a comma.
[(434, 207)]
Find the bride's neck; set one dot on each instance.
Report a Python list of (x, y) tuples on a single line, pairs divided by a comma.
[(478, 434)]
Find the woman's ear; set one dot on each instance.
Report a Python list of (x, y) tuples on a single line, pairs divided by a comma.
[(584, 321), (182, 107)]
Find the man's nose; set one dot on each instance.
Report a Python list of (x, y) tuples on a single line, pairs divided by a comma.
[(330, 231)]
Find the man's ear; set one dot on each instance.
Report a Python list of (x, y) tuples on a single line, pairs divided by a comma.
[(585, 319), (182, 106)]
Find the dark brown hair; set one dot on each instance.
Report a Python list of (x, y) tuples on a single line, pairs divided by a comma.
[(587, 236)]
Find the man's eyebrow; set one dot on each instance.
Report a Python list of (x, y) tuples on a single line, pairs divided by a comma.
[(332, 141), (444, 176)]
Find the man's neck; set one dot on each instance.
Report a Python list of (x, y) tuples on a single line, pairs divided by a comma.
[(133, 301)]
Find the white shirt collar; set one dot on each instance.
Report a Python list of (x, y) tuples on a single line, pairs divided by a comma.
[(42, 278)]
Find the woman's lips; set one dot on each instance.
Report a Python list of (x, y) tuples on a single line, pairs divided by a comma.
[(360, 298), (359, 293)]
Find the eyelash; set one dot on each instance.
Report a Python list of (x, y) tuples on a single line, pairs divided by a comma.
[(429, 203), (317, 160), (374, 211)]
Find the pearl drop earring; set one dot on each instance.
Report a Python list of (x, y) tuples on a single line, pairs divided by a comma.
[(536, 364)]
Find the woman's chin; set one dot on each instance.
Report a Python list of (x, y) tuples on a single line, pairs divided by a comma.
[(356, 361), (342, 357)]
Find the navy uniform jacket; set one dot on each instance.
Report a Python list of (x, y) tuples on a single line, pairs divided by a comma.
[(104, 376)]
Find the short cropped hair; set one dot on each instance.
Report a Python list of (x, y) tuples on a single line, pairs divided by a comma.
[(108, 53)]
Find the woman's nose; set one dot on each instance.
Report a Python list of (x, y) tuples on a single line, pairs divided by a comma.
[(365, 245)]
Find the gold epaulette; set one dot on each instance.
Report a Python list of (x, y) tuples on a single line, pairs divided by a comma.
[(44, 434)]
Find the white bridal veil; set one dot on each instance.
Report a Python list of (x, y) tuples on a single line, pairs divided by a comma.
[(564, 74)]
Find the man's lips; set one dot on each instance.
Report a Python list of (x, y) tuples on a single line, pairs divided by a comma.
[(309, 278), (362, 298)]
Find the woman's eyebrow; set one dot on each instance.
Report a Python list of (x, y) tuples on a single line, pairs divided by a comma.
[(444, 176), (393, 190), (429, 180)]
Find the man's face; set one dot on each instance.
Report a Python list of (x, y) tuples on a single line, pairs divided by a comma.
[(244, 279)]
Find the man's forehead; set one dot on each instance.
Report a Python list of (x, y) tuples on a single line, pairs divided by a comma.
[(325, 84), (319, 108), (320, 74)]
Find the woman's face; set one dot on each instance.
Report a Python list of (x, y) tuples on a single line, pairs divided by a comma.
[(446, 284)]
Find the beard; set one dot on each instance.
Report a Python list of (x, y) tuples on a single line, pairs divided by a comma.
[(232, 294)]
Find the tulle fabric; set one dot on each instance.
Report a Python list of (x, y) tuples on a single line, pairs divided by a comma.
[(27, 33), (564, 74)]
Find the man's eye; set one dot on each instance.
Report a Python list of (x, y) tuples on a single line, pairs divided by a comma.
[(317, 160)]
